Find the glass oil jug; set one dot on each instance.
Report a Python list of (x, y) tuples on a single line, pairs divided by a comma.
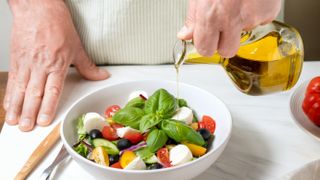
[(269, 59)]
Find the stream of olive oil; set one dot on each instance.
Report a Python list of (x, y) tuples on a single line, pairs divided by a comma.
[(261, 67), (177, 67)]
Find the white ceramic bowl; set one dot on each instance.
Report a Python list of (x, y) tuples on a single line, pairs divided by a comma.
[(203, 102)]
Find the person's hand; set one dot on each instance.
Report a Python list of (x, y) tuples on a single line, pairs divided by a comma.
[(216, 25), (44, 43)]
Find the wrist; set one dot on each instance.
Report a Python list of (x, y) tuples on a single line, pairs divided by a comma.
[(21, 7)]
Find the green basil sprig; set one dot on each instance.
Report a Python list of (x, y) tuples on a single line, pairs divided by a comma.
[(181, 132), (148, 121), (156, 139), (161, 103), (155, 114), (137, 102), (129, 116)]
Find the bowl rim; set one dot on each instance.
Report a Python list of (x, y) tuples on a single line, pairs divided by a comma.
[(190, 163)]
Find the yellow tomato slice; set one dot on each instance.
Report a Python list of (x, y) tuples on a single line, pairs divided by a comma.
[(100, 156), (195, 149), (126, 158)]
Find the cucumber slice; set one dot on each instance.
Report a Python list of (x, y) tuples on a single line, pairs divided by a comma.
[(109, 146), (151, 160)]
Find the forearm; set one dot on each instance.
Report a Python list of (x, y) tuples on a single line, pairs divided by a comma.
[(41, 15)]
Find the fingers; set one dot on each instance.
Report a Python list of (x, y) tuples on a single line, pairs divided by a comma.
[(186, 31), (35, 98), (6, 99), (17, 97), (52, 93), (229, 42), (10, 83), (206, 40), (206, 31), (88, 69), (32, 101)]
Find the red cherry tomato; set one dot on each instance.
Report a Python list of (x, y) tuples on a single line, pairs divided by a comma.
[(133, 137), (208, 123), (163, 156), (109, 133), (116, 165), (110, 111)]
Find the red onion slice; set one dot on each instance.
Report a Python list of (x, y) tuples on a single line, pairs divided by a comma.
[(134, 147), (142, 96)]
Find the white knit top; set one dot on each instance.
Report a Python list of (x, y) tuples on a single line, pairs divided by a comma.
[(128, 31)]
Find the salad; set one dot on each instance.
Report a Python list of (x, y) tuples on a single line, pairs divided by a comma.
[(147, 133)]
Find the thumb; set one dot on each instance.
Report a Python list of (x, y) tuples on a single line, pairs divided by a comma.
[(89, 70), (186, 32)]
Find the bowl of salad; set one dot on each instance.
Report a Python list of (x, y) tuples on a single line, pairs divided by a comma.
[(143, 130)]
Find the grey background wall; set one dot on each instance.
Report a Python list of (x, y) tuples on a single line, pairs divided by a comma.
[(304, 15), (5, 26)]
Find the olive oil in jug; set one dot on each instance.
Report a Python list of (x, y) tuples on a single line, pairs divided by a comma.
[(269, 64)]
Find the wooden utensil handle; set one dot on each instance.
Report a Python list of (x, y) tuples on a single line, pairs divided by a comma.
[(39, 153)]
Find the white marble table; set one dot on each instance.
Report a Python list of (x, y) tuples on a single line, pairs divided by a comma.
[(265, 142)]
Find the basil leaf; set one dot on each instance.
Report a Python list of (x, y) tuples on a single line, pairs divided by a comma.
[(181, 132), (136, 102), (156, 139), (144, 153), (194, 119), (129, 116), (182, 103), (148, 121), (161, 103)]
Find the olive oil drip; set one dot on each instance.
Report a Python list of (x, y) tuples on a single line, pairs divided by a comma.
[(177, 65)]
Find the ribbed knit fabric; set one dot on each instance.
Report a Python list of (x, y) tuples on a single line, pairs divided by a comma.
[(128, 31)]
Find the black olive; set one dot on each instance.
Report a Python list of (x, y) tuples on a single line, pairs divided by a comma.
[(113, 159), (155, 166), (209, 142), (95, 133), (171, 141), (205, 133), (123, 144)]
